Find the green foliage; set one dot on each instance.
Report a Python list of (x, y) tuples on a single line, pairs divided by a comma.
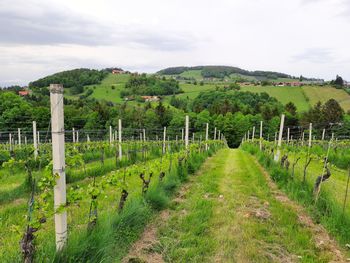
[(75, 79), (144, 85)]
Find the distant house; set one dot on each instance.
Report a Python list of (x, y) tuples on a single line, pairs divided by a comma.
[(117, 71), (23, 93), (150, 98)]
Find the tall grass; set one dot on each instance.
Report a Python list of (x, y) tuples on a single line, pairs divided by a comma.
[(326, 210)]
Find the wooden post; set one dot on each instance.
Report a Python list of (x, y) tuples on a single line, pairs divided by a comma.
[(120, 139), (261, 135), (310, 135), (35, 140), (187, 124), (206, 136), (58, 157), (323, 134), (278, 153), (164, 139), (19, 136)]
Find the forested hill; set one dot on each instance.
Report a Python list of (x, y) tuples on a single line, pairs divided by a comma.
[(75, 79), (225, 71)]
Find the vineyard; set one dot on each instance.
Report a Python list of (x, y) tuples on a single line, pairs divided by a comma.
[(313, 168), (115, 181)]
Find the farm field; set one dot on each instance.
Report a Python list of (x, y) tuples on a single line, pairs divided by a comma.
[(283, 94), (107, 184), (323, 94)]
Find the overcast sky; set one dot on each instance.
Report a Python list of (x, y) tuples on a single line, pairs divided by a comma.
[(308, 37)]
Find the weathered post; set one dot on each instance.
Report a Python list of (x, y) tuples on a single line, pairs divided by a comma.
[(19, 136), (278, 153), (288, 132), (25, 140), (214, 133), (38, 136), (247, 136), (253, 134), (310, 135), (110, 135), (58, 157), (144, 135), (35, 140), (164, 140), (220, 133), (77, 136), (261, 135), (323, 134), (182, 134), (206, 136), (187, 124), (73, 133), (120, 139), (10, 142)]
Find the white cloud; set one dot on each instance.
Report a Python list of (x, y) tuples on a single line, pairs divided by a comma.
[(308, 37)]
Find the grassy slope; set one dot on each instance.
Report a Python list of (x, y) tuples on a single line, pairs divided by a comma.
[(283, 94), (208, 228), (325, 93), (104, 90)]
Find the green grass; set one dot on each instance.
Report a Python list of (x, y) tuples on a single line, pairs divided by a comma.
[(323, 94), (196, 74), (109, 89), (283, 94), (215, 222)]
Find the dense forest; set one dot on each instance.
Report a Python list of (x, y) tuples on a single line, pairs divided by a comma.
[(150, 85), (223, 71), (74, 79)]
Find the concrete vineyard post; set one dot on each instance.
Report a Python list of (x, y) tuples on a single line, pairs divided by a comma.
[(261, 135), (182, 134), (247, 136), (25, 140), (214, 133), (206, 136), (144, 135), (38, 138), (278, 153), (288, 132), (58, 157), (10, 141), (193, 135), (253, 134), (302, 139), (35, 141), (110, 135), (164, 140), (19, 136), (275, 137), (120, 139), (219, 135), (310, 135), (73, 133), (77, 136), (323, 134), (187, 124)]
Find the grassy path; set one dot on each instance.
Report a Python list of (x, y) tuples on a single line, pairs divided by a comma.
[(231, 212)]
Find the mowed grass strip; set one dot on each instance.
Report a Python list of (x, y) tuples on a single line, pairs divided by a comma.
[(229, 214)]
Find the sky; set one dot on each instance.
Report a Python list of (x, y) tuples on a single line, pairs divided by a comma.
[(298, 37)]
